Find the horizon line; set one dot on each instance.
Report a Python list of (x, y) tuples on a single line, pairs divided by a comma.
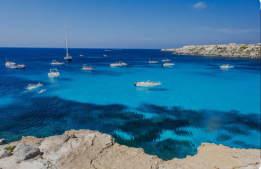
[(81, 48)]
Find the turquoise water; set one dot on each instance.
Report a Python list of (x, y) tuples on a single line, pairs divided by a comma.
[(197, 101)]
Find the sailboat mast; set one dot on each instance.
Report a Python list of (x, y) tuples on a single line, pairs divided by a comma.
[(66, 40)]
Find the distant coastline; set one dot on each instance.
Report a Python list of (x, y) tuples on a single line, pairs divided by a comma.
[(221, 50)]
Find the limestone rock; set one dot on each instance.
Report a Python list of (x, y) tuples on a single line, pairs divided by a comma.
[(24, 152), (223, 50), (5, 153), (37, 164), (86, 149)]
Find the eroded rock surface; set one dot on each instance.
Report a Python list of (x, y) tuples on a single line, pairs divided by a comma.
[(91, 149), (5, 153), (23, 151), (223, 50)]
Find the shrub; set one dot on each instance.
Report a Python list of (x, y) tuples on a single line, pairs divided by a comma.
[(11, 148)]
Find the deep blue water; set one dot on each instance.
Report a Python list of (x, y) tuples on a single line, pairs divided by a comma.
[(197, 102)]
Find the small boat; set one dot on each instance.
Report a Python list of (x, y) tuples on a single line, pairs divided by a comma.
[(9, 63), (85, 67), (107, 50), (165, 60), (116, 64), (54, 73), (226, 66), (168, 64), (81, 55), (22, 66), (33, 86), (41, 91), (68, 58), (153, 62), (146, 84), (57, 63), (105, 55)]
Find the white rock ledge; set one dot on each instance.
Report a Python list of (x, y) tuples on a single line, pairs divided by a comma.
[(86, 149), (222, 50)]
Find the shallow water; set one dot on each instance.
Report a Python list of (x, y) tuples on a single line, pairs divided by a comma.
[(197, 101)]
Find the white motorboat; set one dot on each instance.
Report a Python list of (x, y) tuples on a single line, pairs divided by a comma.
[(226, 66), (9, 63), (168, 64), (85, 67), (41, 91), (146, 84), (104, 55), (54, 73), (57, 63), (153, 62), (22, 66), (116, 64), (33, 86), (67, 57), (165, 60)]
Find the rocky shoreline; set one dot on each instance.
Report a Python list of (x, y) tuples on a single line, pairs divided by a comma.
[(221, 50), (79, 149)]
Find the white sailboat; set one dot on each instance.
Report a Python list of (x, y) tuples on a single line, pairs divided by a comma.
[(67, 57), (9, 63)]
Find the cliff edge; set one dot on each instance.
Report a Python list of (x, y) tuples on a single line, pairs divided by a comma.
[(222, 50), (80, 149)]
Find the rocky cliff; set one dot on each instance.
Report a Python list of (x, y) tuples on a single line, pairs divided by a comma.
[(90, 149), (223, 50)]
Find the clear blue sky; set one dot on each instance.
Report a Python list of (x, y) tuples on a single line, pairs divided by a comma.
[(128, 23)]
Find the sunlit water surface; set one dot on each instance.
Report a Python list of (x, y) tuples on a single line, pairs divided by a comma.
[(197, 101)]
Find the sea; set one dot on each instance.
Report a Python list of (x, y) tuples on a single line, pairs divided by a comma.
[(196, 103)]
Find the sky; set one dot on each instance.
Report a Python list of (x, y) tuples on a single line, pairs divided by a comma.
[(136, 24)]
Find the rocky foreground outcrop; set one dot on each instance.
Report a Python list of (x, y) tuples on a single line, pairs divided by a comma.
[(82, 149), (223, 50)]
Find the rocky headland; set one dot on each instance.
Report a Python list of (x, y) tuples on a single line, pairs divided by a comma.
[(80, 149), (222, 50)]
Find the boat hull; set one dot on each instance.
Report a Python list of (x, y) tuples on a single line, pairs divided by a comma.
[(90, 69), (68, 60), (9, 64), (18, 67), (226, 67), (53, 74), (141, 84), (171, 64), (57, 63)]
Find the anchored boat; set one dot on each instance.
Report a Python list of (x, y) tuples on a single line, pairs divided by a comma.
[(153, 62), (54, 73), (57, 63), (68, 58), (168, 64), (226, 66), (22, 66), (9, 63), (116, 64), (85, 67), (146, 84), (165, 60)]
